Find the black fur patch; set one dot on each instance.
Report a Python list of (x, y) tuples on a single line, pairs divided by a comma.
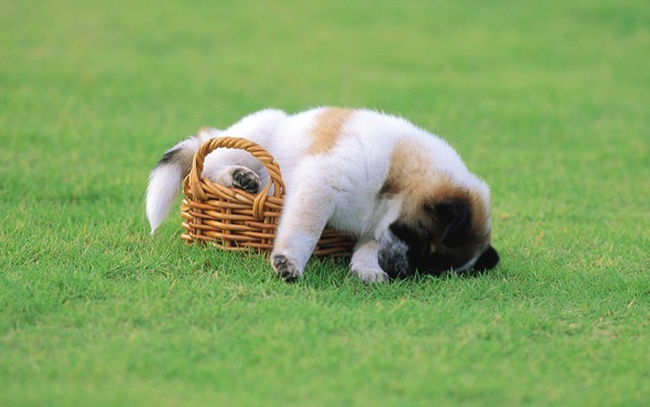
[(446, 242), (180, 157), (455, 218), (169, 157)]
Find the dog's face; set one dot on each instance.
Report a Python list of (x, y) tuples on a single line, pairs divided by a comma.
[(452, 234)]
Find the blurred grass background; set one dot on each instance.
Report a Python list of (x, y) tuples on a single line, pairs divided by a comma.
[(547, 101)]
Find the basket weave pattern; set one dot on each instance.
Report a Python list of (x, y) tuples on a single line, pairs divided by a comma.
[(236, 220)]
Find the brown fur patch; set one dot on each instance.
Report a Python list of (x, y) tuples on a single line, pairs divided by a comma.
[(408, 170), (413, 173), (327, 130)]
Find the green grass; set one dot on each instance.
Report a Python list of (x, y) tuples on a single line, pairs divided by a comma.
[(548, 101)]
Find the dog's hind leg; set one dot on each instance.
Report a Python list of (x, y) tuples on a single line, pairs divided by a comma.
[(235, 168), (238, 168), (237, 176)]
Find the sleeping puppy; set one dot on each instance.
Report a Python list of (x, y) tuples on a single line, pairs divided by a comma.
[(404, 194)]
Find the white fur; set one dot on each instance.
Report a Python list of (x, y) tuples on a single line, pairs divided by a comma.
[(365, 264), (164, 181), (162, 189), (339, 188)]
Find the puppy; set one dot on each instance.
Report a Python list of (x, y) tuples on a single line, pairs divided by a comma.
[(405, 194)]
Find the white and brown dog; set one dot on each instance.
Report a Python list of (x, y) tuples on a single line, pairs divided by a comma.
[(405, 194)]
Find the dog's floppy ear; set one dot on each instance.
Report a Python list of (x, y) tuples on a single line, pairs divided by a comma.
[(454, 218), (488, 260)]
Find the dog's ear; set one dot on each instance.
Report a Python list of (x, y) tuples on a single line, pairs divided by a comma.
[(488, 260), (455, 220)]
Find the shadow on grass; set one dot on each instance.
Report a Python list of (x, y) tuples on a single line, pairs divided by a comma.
[(324, 273), (329, 272)]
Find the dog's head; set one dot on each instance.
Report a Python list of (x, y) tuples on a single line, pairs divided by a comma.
[(448, 231)]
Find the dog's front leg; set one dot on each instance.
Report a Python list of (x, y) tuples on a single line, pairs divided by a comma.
[(365, 262), (304, 216)]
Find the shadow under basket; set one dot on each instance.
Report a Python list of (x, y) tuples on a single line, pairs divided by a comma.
[(235, 220)]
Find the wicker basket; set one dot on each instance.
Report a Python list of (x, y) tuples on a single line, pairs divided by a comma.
[(233, 219)]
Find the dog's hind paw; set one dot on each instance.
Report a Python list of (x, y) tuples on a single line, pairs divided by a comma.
[(284, 268), (237, 176), (246, 179)]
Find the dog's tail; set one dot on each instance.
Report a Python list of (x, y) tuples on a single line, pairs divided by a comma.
[(167, 176)]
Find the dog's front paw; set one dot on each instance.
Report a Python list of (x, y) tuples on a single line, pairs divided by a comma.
[(370, 275), (246, 179), (284, 268)]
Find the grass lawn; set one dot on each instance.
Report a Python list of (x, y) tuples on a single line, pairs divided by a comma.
[(548, 101)]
